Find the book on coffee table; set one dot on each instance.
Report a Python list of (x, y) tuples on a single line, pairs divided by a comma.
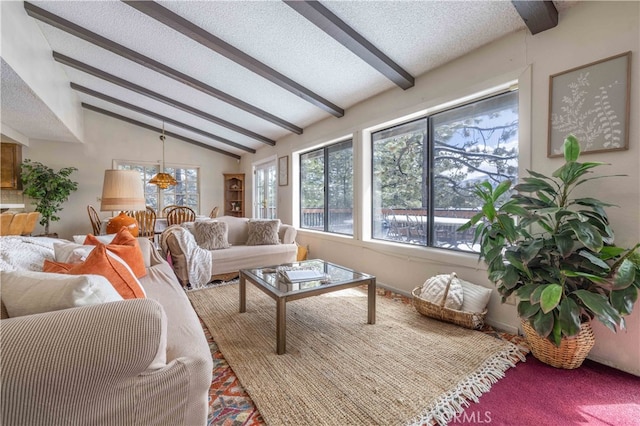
[(303, 275)]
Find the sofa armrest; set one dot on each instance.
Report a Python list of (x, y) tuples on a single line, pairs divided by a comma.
[(287, 234), (72, 365)]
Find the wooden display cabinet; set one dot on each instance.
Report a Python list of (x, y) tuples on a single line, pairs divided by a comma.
[(234, 194)]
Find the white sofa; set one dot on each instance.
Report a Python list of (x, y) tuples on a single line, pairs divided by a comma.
[(225, 263), (128, 362)]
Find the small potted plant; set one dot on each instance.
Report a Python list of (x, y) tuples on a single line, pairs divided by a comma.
[(556, 253), (48, 188)]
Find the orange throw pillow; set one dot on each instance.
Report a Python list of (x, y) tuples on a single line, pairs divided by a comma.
[(99, 262), (126, 246)]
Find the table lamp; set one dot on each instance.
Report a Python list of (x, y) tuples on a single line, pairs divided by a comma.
[(122, 190)]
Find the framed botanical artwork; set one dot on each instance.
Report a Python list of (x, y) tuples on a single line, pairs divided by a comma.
[(283, 171), (592, 103)]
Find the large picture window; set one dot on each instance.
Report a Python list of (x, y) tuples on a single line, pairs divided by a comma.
[(185, 193), (326, 189), (423, 171)]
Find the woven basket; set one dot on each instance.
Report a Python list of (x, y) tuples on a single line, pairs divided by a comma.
[(571, 352), (472, 320)]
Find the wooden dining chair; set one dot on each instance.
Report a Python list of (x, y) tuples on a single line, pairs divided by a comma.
[(96, 222), (166, 209), (146, 222), (181, 214), (30, 224), (17, 224), (214, 212), (5, 222)]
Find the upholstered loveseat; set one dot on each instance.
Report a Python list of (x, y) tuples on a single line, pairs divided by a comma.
[(142, 361), (196, 266)]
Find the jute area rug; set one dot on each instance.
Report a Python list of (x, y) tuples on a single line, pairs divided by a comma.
[(338, 370)]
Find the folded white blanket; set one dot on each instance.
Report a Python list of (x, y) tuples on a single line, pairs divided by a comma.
[(25, 253), (198, 259)]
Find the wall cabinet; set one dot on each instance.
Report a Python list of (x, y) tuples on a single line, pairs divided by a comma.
[(234, 194), (11, 157)]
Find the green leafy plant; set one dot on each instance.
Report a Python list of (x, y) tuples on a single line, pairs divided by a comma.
[(48, 188), (555, 252)]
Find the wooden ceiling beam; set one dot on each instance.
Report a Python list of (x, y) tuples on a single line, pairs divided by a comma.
[(328, 22), (539, 15), (189, 29), (132, 55), (158, 130), (59, 57), (152, 114)]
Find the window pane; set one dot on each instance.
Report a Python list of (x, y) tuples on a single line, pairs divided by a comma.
[(472, 143), (399, 183), (326, 189), (340, 177), (312, 190)]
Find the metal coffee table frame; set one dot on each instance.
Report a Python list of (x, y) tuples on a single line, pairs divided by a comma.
[(266, 280)]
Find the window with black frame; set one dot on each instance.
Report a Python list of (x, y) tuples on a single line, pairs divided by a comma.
[(326, 189), (423, 171)]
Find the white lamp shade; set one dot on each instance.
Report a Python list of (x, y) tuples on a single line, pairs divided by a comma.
[(122, 190)]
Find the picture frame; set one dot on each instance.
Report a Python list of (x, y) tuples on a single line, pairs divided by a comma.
[(283, 171), (592, 102)]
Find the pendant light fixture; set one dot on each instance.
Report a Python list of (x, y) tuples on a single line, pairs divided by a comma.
[(162, 179)]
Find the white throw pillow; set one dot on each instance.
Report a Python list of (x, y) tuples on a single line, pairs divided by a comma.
[(433, 291), (104, 239), (31, 292), (476, 297)]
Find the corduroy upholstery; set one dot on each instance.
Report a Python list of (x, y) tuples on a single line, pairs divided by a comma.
[(132, 362)]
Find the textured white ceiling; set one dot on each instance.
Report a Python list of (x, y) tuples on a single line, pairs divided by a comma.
[(418, 35)]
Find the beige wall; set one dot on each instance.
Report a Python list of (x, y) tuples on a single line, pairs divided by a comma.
[(108, 139), (587, 32)]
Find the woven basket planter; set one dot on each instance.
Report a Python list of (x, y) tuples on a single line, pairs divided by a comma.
[(571, 352)]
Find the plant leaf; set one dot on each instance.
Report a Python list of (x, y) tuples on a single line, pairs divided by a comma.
[(569, 317), (623, 300), (571, 148), (564, 242), (550, 297), (510, 277), (625, 275), (587, 234), (543, 323), (501, 189), (527, 310), (594, 259), (537, 293), (524, 292), (600, 307)]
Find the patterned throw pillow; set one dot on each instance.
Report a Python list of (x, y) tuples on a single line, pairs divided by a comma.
[(263, 232), (211, 235), (433, 290)]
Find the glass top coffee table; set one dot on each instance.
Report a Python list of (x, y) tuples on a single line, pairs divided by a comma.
[(272, 282)]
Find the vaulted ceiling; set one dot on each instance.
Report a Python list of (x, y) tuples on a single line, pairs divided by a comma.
[(234, 76)]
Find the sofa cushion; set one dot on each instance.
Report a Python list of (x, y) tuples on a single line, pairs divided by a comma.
[(211, 235), (126, 246), (238, 229), (102, 262), (263, 232), (32, 292), (475, 297)]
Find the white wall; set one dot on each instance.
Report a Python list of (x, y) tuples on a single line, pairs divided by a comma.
[(29, 55), (108, 139), (587, 32)]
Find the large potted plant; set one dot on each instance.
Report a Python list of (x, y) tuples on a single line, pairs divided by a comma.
[(48, 188), (556, 253)]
